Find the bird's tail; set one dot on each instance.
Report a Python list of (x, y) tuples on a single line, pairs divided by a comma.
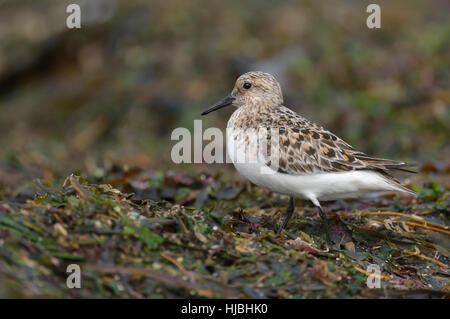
[(396, 185)]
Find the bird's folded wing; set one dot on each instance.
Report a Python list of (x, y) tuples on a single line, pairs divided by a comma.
[(314, 150)]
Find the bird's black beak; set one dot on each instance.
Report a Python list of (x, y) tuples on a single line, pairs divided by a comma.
[(227, 100)]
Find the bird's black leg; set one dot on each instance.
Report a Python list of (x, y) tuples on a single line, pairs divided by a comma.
[(289, 212), (325, 223)]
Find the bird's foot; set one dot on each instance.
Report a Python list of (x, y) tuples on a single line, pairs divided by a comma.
[(325, 226)]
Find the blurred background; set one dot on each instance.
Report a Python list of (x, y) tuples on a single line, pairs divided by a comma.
[(110, 93)]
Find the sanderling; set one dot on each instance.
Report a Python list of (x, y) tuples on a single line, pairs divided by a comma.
[(313, 163)]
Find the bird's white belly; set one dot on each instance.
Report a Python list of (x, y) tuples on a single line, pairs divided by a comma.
[(321, 186)]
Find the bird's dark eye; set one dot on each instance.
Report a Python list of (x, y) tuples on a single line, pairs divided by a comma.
[(247, 85)]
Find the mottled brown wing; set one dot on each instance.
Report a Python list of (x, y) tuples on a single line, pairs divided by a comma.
[(306, 148), (312, 150)]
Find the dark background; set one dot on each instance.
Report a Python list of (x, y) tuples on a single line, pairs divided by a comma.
[(82, 100)]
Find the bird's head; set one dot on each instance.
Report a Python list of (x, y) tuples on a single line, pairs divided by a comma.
[(251, 89)]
